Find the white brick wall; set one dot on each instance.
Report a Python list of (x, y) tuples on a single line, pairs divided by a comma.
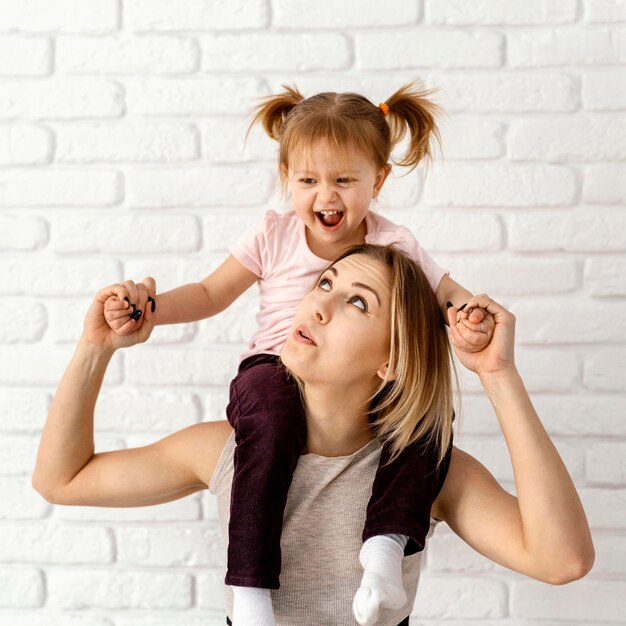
[(122, 154)]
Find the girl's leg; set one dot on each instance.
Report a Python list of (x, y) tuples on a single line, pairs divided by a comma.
[(398, 520), (403, 494), (266, 412)]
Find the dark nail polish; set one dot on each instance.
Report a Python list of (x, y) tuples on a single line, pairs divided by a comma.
[(153, 307), (449, 304), (136, 315), (462, 307)]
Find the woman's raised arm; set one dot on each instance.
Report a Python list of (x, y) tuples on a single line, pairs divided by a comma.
[(543, 532), (68, 471)]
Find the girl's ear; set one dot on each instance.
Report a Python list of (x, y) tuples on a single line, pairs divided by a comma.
[(380, 179), (384, 373)]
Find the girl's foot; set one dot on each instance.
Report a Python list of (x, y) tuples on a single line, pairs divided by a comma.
[(252, 607), (381, 585)]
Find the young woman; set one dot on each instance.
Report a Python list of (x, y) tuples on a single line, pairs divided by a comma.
[(366, 346)]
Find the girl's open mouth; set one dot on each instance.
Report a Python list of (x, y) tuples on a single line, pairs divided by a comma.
[(329, 219)]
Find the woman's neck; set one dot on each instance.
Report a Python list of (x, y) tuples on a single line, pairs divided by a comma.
[(335, 426)]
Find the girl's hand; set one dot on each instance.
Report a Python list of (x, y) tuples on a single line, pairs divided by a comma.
[(497, 355), (475, 327), (108, 323), (125, 311)]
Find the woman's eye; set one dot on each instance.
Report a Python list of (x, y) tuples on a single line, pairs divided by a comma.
[(358, 302), (324, 284)]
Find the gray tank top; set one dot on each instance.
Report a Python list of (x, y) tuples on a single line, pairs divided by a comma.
[(321, 538)]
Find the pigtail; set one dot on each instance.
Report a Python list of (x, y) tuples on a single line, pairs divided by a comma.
[(273, 110), (411, 109)]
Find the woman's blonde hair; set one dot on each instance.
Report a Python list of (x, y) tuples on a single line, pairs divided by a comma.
[(415, 402), (350, 121)]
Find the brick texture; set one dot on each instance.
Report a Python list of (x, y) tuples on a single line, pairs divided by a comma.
[(123, 154)]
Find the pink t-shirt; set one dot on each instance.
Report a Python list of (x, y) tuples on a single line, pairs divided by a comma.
[(277, 252)]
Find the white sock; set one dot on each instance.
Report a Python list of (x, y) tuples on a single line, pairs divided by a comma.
[(252, 607), (381, 585)]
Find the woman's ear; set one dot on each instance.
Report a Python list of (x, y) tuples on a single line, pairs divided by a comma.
[(380, 179), (384, 374)]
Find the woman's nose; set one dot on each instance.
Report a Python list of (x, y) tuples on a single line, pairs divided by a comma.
[(321, 310)]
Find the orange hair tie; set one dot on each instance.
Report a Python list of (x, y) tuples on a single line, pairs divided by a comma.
[(384, 107)]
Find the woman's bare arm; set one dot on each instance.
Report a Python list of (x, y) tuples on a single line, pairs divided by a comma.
[(68, 471), (543, 532)]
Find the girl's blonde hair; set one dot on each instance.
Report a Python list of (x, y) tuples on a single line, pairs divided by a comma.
[(350, 121), (415, 403)]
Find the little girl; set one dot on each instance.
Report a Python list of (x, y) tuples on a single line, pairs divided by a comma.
[(334, 152)]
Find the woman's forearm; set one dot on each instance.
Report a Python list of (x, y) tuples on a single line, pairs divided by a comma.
[(555, 529), (67, 444)]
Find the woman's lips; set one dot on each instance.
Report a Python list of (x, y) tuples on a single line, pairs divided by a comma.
[(303, 335)]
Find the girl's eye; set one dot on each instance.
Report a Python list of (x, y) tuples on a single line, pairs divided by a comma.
[(358, 302), (307, 181), (324, 284), (343, 181)]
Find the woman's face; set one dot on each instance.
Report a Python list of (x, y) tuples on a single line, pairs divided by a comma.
[(341, 332)]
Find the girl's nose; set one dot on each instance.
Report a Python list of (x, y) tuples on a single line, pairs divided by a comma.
[(327, 193)]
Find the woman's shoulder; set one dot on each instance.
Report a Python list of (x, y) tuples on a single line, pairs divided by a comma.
[(464, 481), (204, 446)]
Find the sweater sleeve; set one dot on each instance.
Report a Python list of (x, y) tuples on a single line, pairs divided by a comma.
[(434, 272), (384, 232), (254, 249)]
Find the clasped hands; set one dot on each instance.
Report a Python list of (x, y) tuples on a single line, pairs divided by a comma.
[(121, 315)]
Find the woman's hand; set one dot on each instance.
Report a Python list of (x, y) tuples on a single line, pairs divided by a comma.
[(123, 311), (475, 328), (98, 331), (498, 356)]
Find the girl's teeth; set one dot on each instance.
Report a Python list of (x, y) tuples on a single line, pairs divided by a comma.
[(330, 218)]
